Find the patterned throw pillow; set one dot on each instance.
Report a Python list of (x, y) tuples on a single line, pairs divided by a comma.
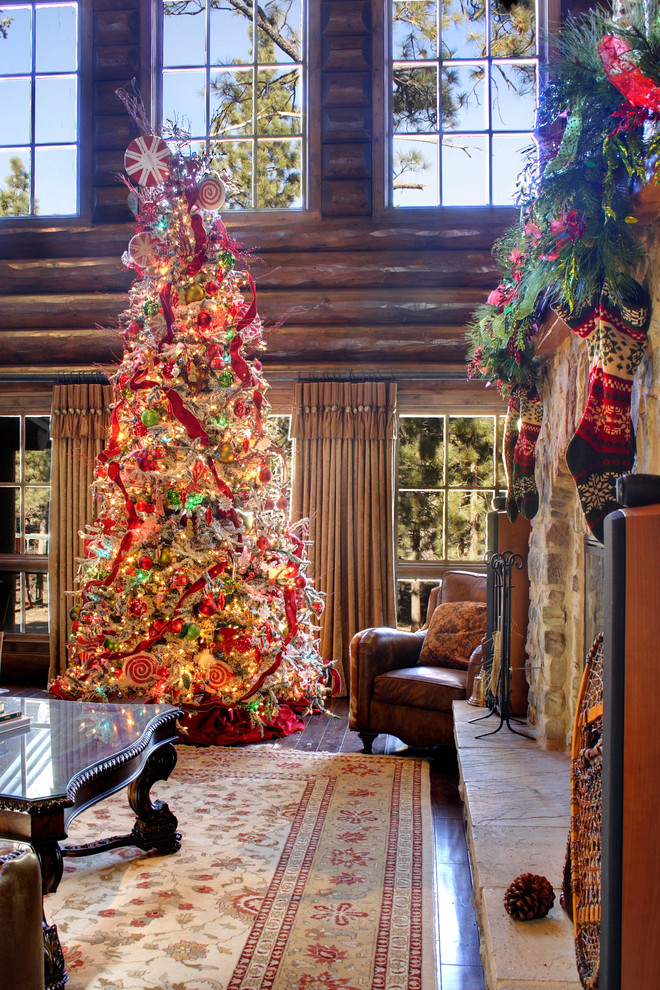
[(456, 628)]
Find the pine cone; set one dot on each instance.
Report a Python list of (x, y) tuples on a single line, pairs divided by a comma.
[(529, 896)]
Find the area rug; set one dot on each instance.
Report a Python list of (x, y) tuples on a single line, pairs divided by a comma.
[(297, 871)]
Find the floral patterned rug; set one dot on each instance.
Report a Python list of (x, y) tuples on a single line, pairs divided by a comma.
[(297, 871)]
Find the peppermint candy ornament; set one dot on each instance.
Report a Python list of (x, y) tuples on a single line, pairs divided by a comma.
[(211, 193), (147, 160), (142, 251)]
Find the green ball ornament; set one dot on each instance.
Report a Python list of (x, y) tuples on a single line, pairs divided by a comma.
[(226, 378), (193, 631), (226, 260), (150, 307), (150, 417)]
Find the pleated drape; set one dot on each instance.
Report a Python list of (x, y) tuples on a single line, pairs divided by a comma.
[(79, 428), (342, 482)]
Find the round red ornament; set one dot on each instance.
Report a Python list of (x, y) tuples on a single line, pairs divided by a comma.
[(145, 563), (212, 288), (204, 319), (265, 475), (147, 160)]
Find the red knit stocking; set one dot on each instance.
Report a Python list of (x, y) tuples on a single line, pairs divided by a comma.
[(508, 446), (603, 446), (525, 492)]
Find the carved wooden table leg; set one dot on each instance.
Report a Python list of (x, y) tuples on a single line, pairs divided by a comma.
[(50, 860), (155, 827)]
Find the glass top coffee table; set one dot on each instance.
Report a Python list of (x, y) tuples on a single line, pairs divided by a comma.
[(72, 755)]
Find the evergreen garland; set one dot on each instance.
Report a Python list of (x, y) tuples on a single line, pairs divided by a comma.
[(577, 228)]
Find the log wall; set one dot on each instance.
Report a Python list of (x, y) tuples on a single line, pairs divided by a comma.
[(363, 288)]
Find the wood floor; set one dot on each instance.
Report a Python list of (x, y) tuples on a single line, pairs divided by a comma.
[(457, 951), (459, 965)]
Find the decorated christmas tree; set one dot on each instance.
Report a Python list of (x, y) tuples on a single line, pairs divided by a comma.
[(192, 589)]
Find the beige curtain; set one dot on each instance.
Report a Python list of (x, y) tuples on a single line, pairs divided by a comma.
[(343, 483), (79, 427)]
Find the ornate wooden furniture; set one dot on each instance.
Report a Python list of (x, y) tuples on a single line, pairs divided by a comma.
[(73, 755)]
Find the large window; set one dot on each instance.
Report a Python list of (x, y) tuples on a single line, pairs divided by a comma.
[(25, 462), (232, 80), (39, 120), (448, 471), (463, 91)]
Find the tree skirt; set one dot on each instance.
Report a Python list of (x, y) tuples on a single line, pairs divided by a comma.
[(297, 871)]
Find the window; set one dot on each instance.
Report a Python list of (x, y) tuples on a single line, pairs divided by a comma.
[(463, 90), (447, 474), (25, 461), (39, 123), (232, 80)]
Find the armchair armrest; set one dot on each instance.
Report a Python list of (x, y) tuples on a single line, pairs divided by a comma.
[(375, 651)]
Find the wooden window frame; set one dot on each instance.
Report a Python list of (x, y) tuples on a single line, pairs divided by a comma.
[(152, 70), (85, 101), (548, 22)]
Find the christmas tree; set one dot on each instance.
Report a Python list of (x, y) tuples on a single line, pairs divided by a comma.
[(192, 589)]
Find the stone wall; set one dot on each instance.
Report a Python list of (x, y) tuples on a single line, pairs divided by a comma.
[(555, 640)]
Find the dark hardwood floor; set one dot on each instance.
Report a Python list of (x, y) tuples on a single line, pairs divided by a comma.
[(457, 950)]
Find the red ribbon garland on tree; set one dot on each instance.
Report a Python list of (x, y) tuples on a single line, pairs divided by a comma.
[(640, 91)]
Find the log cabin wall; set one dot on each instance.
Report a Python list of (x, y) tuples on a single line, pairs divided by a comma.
[(367, 290)]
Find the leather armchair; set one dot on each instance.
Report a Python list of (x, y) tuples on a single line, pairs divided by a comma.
[(390, 693)]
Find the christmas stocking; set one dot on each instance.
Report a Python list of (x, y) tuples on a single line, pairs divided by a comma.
[(603, 446), (508, 446), (525, 492)]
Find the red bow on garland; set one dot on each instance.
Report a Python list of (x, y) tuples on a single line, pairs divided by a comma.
[(641, 93)]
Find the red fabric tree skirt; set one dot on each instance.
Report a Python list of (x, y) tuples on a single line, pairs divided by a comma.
[(213, 724)]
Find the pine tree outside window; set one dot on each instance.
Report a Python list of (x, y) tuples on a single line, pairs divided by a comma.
[(39, 95), (233, 80), (448, 471), (463, 91)]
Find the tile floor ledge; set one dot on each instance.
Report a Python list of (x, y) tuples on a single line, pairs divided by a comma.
[(516, 800)]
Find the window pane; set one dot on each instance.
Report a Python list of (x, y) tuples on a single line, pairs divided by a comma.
[(280, 31), (57, 38), (513, 96), (10, 446), (415, 99), (16, 48), (415, 171), (279, 174), (470, 450), (466, 524), (10, 507), (235, 158), (232, 103), (15, 100), (463, 29), (184, 99), (421, 451), (37, 449), (35, 616), (231, 36), (509, 156), (412, 601), (15, 182), (36, 520), (184, 33), (55, 173), (513, 27), (24, 602), (56, 109), (464, 103), (414, 30), (420, 526), (465, 170), (278, 431), (278, 102)]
